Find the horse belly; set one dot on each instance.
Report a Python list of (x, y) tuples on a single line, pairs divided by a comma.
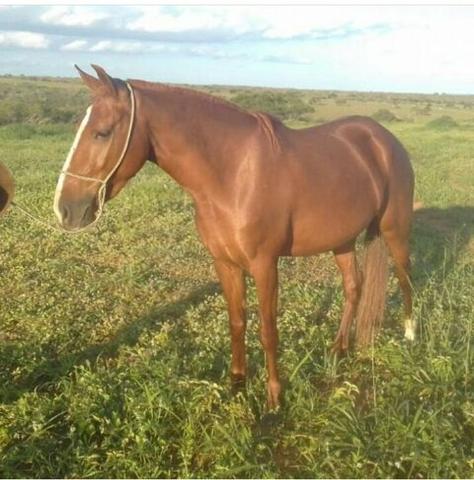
[(324, 223)]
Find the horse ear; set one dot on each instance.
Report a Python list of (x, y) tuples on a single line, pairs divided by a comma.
[(105, 79), (89, 80)]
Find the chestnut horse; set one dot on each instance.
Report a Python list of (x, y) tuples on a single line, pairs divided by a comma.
[(261, 190)]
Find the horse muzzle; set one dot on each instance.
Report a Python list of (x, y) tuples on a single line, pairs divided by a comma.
[(77, 214)]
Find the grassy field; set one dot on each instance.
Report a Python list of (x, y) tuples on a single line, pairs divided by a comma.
[(114, 349)]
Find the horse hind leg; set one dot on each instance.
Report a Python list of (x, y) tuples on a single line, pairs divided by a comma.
[(397, 243), (395, 226), (352, 282)]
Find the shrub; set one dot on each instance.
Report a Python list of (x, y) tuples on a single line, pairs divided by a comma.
[(284, 105), (33, 102), (384, 115), (423, 110), (441, 123)]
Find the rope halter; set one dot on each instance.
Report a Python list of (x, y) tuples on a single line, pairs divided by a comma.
[(103, 182)]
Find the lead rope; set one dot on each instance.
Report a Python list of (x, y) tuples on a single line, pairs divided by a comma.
[(38, 219), (102, 189)]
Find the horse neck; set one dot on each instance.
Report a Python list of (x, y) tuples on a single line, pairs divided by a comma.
[(197, 140)]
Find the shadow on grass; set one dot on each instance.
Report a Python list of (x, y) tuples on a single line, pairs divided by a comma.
[(50, 371), (439, 237)]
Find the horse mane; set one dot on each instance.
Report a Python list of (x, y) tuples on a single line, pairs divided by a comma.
[(211, 99), (266, 121)]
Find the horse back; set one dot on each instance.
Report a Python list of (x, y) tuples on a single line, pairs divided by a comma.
[(342, 175)]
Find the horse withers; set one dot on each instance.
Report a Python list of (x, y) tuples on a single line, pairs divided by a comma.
[(261, 190)]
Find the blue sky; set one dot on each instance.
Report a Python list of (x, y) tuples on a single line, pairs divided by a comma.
[(368, 48)]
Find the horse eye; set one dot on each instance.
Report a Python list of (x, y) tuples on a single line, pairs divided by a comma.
[(102, 134)]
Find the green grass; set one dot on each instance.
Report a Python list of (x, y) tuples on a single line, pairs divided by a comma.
[(114, 350), (444, 122)]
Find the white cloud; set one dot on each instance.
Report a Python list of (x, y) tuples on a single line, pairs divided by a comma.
[(287, 58), (116, 46), (420, 53), (189, 50), (101, 46), (210, 51), (185, 19), (358, 46), (124, 47), (76, 45), (267, 22), (72, 16), (23, 40)]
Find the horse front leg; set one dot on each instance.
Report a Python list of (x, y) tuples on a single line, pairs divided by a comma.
[(265, 273), (233, 285)]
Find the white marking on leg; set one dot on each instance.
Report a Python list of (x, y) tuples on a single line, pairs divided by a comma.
[(410, 329), (62, 176)]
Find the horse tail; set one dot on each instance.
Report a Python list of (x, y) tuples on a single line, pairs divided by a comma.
[(371, 307)]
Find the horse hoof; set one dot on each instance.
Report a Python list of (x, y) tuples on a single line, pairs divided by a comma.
[(273, 396), (237, 382), (339, 347)]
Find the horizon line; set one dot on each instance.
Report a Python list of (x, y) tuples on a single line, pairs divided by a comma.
[(226, 85)]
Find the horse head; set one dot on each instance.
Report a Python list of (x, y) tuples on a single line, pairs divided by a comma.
[(110, 147)]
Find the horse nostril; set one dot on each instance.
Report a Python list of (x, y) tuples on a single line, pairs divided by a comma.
[(87, 215)]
